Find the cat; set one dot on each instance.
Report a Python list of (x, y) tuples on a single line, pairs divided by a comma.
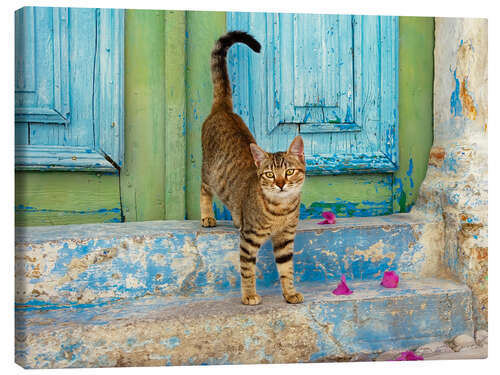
[(261, 189)]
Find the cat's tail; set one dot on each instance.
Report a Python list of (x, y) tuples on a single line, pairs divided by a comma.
[(220, 78)]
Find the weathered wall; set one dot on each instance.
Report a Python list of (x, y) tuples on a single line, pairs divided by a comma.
[(456, 185)]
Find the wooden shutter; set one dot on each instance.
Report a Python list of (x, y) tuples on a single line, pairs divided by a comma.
[(69, 88), (332, 79)]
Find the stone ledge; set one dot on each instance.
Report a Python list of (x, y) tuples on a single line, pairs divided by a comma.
[(156, 228), (63, 265), (156, 331)]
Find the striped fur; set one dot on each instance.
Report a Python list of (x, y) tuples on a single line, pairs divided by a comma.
[(261, 189), (220, 78)]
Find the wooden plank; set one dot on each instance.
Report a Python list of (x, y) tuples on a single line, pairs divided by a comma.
[(55, 198), (108, 89), (203, 29), (142, 178), (31, 157), (416, 70), (175, 133), (346, 196)]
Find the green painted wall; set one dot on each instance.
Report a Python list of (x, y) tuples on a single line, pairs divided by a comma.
[(168, 94)]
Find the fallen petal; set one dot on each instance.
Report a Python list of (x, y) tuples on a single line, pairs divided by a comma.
[(342, 288), (409, 356), (329, 216), (390, 279)]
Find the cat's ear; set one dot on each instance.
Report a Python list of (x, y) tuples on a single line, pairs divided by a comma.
[(297, 148), (258, 154)]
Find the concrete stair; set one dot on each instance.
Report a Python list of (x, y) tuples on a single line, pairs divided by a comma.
[(167, 293)]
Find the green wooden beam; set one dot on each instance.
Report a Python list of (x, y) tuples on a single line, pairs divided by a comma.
[(203, 29), (416, 79), (142, 178), (175, 134)]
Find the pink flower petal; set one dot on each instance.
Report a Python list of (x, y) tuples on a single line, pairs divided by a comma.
[(329, 216), (409, 356), (390, 279), (342, 289)]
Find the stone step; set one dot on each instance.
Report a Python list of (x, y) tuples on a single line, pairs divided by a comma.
[(96, 263), (157, 331)]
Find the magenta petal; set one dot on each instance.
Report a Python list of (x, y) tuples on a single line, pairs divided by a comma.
[(409, 356), (329, 216), (342, 289), (390, 279)]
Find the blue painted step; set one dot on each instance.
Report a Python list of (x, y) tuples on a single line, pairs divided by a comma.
[(96, 263), (157, 293), (155, 331)]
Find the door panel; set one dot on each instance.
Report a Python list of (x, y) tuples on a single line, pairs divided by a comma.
[(69, 88), (41, 61), (332, 79)]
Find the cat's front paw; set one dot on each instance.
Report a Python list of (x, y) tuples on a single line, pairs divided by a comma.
[(294, 298), (253, 299), (208, 222)]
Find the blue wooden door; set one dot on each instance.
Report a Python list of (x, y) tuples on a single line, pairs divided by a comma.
[(332, 79), (69, 88)]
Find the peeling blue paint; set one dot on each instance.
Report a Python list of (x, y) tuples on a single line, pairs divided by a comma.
[(343, 208), (455, 103), (21, 208), (171, 342), (222, 214), (450, 163), (143, 259), (410, 172)]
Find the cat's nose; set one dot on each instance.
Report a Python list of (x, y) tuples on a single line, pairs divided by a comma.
[(280, 183)]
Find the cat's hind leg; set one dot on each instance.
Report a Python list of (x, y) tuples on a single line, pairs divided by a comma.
[(207, 212)]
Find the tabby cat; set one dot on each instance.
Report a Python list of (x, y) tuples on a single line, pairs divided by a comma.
[(260, 189)]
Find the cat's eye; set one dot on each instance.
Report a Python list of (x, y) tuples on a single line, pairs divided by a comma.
[(269, 174), (289, 172)]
